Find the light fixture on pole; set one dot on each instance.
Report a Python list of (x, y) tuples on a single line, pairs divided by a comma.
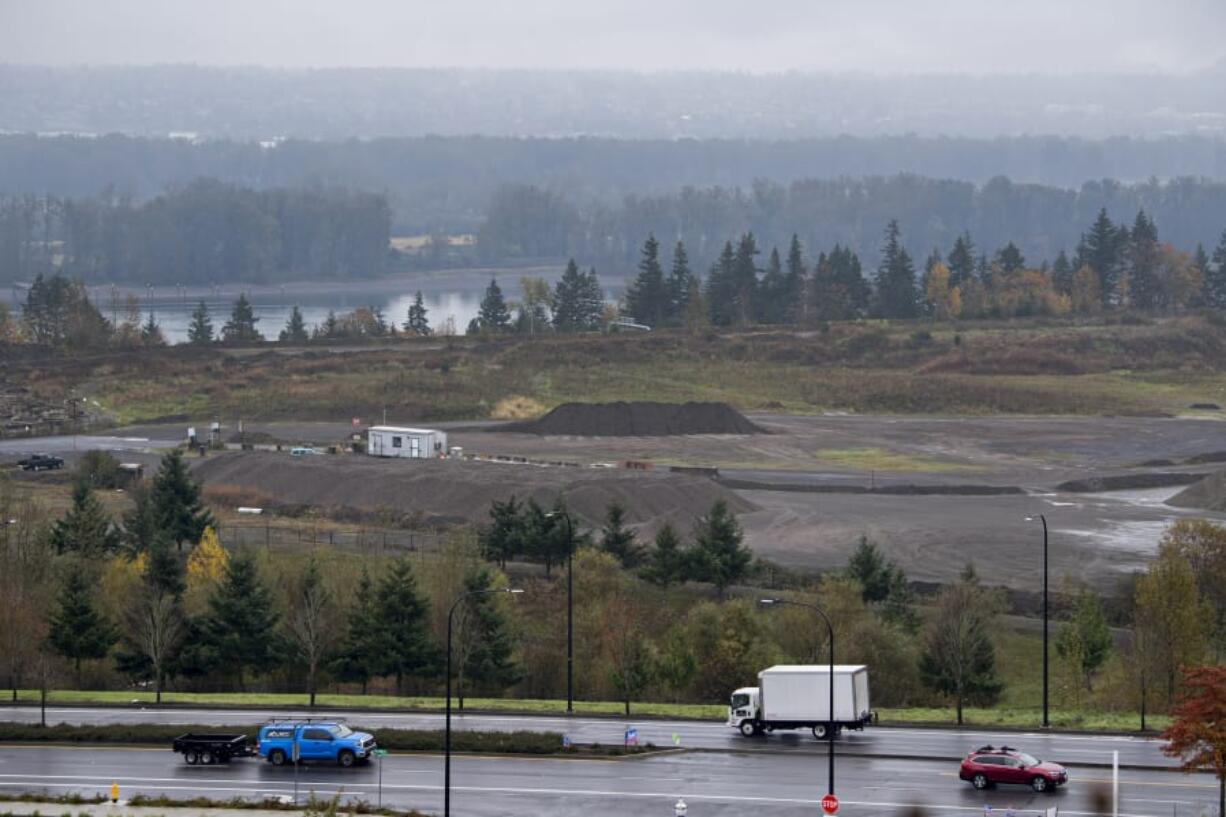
[(830, 682), (447, 729)]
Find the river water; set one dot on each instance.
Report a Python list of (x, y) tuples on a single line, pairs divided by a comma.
[(452, 296)]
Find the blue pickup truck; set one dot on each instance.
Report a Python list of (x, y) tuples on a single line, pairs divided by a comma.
[(315, 740)]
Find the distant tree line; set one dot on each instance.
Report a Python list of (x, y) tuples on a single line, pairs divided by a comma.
[(524, 221), (1114, 266), (203, 232)]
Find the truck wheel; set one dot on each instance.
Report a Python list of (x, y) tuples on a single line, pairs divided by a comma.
[(980, 781), (276, 757), (821, 731), (345, 758), (206, 757), (191, 758), (748, 729)]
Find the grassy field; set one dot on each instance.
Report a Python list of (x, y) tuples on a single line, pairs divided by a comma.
[(1060, 368), (1007, 715)]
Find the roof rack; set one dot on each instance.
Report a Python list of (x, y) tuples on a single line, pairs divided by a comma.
[(988, 748), (295, 719)]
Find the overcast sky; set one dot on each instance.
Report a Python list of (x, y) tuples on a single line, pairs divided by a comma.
[(979, 36)]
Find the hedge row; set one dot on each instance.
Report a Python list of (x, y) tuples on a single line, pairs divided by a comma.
[(404, 740)]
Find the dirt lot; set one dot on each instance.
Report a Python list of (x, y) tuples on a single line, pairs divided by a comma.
[(461, 491), (1096, 536)]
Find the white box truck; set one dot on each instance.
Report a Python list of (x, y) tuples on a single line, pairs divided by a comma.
[(798, 697)]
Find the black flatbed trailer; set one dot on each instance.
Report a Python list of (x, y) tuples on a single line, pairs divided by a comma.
[(207, 748)]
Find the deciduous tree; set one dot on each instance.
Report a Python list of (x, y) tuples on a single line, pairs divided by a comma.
[(1169, 615), (959, 658), (1197, 734)]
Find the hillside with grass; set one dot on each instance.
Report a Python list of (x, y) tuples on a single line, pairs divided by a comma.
[(1162, 366)]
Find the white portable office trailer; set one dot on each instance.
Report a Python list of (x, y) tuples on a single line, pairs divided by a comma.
[(413, 443)]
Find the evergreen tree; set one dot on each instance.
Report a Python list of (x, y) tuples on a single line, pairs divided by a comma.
[(1215, 279), (618, 540), (489, 653), (958, 657), (295, 330), (239, 628), (961, 261), (164, 570), (403, 638), (85, 529), (77, 631), (721, 294), (1144, 282), (358, 658), (772, 305), (142, 522), (745, 280), (1010, 259), (1062, 274), (330, 328), (417, 323), (503, 539), (591, 302), (200, 330), (241, 326), (897, 294), (868, 567), (718, 556), (647, 297), (794, 283), (1102, 249), (567, 300), (493, 315), (679, 280), (666, 561), (151, 333), (177, 497)]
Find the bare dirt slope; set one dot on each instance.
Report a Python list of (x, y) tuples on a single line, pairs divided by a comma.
[(1207, 495), (457, 490), (637, 419)]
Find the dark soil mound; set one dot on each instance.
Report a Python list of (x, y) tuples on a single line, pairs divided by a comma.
[(1128, 482), (637, 420), (1207, 495)]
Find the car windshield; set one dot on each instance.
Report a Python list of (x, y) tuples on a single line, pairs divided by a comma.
[(341, 731), (739, 700), (1027, 760)]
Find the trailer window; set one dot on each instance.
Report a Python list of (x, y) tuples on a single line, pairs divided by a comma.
[(740, 700), (396, 442)]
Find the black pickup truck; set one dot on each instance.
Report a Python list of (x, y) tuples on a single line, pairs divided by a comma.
[(40, 462), (210, 748)]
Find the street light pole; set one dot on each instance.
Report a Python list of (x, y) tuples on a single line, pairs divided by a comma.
[(1046, 719), (447, 730), (570, 609), (830, 685)]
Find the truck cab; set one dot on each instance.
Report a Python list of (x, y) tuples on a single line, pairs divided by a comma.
[(743, 710), (282, 742)]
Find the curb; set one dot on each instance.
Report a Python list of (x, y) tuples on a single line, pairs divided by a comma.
[(375, 710)]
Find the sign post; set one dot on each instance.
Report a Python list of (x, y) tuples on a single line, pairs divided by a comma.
[(830, 804), (380, 754)]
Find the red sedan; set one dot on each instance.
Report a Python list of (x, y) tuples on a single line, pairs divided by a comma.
[(989, 765)]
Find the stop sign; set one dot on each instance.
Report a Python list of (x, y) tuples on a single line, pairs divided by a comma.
[(830, 804)]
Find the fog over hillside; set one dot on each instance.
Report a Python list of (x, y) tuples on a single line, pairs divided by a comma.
[(251, 103)]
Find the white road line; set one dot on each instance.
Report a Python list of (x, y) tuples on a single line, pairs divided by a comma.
[(691, 796)]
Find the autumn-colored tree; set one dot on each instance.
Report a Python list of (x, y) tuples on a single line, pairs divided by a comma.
[(1197, 734), (1087, 291), (944, 300), (206, 567), (1182, 281), (1168, 616), (1203, 544)]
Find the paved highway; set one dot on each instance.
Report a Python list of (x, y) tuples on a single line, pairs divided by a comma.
[(715, 785), (873, 741)]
